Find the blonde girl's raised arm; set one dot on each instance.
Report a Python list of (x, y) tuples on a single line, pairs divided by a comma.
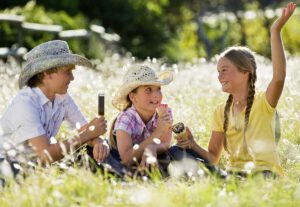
[(275, 87)]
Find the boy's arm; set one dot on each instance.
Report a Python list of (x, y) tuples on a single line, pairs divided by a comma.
[(48, 153), (275, 87)]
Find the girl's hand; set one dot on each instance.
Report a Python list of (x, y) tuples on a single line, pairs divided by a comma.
[(164, 123), (100, 150), (188, 143), (162, 109), (149, 159), (286, 14)]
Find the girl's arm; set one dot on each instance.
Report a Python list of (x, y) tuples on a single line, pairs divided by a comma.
[(127, 151), (216, 143), (165, 143), (275, 87), (162, 132)]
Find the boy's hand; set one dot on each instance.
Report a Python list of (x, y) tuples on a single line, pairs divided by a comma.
[(286, 14), (96, 127)]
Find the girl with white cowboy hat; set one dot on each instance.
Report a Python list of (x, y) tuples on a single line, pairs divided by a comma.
[(244, 125), (36, 113), (141, 132)]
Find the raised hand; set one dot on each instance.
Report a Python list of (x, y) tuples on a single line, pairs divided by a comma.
[(286, 14), (275, 87)]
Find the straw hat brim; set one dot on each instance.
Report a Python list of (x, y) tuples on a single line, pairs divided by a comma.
[(120, 102), (45, 63)]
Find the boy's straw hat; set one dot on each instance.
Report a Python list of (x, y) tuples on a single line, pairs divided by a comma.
[(48, 55), (136, 76)]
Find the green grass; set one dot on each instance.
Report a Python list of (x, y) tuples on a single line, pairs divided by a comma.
[(192, 96)]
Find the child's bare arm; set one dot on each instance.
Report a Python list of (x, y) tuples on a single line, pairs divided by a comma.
[(275, 87), (213, 154), (126, 149)]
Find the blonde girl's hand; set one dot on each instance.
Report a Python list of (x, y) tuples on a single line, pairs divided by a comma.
[(287, 12), (188, 143)]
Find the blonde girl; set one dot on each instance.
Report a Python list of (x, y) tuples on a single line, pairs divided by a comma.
[(244, 125)]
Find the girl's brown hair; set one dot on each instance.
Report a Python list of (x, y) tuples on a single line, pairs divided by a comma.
[(244, 60)]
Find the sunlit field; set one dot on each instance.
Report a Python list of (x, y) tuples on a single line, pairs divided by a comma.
[(192, 96)]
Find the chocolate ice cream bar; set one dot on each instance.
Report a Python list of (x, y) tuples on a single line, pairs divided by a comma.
[(180, 130)]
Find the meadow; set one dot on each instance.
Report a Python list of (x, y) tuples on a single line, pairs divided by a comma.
[(192, 95)]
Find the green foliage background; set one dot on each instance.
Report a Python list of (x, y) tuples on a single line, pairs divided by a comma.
[(153, 28)]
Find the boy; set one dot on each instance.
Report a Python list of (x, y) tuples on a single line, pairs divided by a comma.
[(36, 113)]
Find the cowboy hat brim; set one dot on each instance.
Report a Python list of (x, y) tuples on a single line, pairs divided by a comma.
[(51, 61), (120, 99)]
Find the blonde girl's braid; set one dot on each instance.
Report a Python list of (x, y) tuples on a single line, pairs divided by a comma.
[(226, 119), (243, 59), (250, 99), (251, 93)]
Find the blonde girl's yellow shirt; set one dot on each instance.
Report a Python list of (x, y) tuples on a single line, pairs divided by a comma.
[(260, 137)]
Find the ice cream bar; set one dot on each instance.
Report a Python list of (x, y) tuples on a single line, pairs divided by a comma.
[(101, 104), (180, 130), (161, 109)]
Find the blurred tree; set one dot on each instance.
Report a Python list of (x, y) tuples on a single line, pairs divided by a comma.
[(216, 40), (5, 4), (178, 30), (145, 27)]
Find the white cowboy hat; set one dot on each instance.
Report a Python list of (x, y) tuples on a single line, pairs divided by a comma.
[(48, 55), (136, 76)]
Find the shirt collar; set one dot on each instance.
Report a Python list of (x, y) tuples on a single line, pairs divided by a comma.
[(44, 99), (151, 122)]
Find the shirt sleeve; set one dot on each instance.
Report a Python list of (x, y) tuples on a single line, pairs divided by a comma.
[(73, 114), (23, 118), (123, 123), (265, 103), (217, 122)]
